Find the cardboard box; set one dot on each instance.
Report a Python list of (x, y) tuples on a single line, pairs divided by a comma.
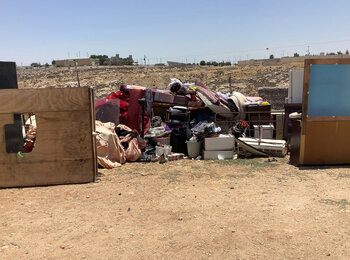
[(221, 143), (217, 155)]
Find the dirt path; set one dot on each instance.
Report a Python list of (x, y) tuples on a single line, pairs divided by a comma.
[(243, 209)]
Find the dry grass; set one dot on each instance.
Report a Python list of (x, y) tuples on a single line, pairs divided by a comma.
[(105, 80)]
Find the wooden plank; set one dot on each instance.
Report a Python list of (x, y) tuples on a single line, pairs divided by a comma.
[(305, 93), (279, 126), (165, 105), (329, 61), (301, 149), (93, 130), (327, 118), (22, 101), (46, 173), (326, 143)]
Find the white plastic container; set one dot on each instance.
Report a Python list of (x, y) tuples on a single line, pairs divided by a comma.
[(193, 149), (217, 155), (159, 150), (167, 150), (220, 143)]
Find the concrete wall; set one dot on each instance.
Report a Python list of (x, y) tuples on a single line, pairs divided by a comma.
[(70, 62), (294, 59)]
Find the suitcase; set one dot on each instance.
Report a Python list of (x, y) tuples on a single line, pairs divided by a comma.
[(181, 100), (163, 96)]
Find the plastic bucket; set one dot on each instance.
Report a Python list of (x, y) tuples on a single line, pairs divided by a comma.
[(193, 149)]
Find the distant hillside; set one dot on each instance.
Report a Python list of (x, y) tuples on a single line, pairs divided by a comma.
[(245, 79)]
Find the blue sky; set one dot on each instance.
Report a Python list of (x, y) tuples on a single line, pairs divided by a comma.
[(39, 31)]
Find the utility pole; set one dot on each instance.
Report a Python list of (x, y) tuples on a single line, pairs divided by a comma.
[(76, 70), (230, 83), (308, 50), (144, 59)]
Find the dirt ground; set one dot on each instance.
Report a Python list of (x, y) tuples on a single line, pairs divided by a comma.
[(235, 209)]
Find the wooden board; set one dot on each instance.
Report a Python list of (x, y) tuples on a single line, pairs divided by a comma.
[(326, 142), (279, 126), (65, 150), (324, 139), (44, 100)]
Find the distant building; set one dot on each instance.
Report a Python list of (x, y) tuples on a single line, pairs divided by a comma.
[(286, 60), (174, 63), (79, 62), (118, 61)]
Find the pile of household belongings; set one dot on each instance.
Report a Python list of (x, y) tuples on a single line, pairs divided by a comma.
[(229, 105), (123, 110), (117, 144), (116, 106)]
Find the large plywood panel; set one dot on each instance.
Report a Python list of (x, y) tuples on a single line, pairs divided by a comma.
[(326, 112), (65, 147)]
